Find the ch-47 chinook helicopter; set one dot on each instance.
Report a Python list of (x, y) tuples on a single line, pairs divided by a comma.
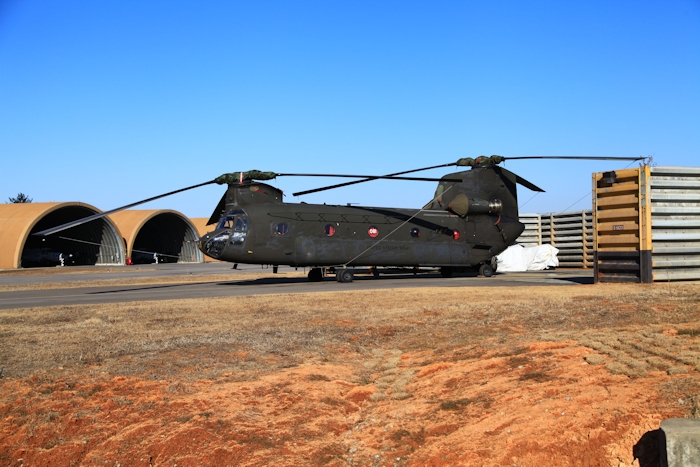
[(472, 218)]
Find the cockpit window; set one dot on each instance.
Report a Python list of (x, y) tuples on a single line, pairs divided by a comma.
[(239, 231), (239, 225), (235, 217), (225, 223)]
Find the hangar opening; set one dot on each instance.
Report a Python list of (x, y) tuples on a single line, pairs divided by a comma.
[(95, 243), (166, 237)]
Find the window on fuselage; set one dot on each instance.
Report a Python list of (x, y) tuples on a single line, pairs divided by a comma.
[(281, 229)]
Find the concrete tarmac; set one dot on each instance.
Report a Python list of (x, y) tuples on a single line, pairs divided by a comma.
[(228, 286)]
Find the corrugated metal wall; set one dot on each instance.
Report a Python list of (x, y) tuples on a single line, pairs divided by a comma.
[(675, 223), (532, 235), (570, 232)]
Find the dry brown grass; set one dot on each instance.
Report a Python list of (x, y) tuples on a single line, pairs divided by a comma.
[(179, 279), (197, 338)]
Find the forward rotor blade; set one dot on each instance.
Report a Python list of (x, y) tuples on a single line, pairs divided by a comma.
[(100, 215), (218, 211), (339, 185)]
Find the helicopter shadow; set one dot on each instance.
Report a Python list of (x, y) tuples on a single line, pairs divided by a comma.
[(581, 280), (357, 278), (261, 281), (266, 281)]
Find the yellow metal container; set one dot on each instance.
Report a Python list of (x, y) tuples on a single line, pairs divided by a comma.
[(622, 237)]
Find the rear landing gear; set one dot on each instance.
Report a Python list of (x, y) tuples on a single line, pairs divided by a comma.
[(446, 272), (486, 270), (315, 275), (344, 275)]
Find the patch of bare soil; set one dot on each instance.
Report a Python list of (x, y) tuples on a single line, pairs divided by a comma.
[(562, 376)]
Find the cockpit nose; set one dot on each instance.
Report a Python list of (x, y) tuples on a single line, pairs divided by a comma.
[(231, 232), (214, 243)]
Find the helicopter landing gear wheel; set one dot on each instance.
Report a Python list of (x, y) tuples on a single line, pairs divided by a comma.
[(375, 272), (486, 270), (315, 275), (344, 275), (446, 272)]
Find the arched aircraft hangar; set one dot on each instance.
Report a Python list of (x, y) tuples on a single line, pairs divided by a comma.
[(95, 243), (163, 236), (200, 224)]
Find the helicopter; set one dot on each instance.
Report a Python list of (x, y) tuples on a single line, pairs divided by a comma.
[(472, 217)]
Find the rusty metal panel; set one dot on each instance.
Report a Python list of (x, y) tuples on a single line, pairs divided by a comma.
[(618, 266), (675, 223)]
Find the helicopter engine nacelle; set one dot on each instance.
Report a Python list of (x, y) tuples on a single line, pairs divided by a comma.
[(461, 205)]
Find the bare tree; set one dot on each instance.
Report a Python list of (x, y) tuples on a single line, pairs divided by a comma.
[(20, 198)]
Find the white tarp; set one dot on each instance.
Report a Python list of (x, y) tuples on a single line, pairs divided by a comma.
[(517, 258)]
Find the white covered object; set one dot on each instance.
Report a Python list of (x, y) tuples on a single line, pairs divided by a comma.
[(517, 258)]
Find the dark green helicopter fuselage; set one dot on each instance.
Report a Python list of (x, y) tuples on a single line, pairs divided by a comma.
[(256, 227)]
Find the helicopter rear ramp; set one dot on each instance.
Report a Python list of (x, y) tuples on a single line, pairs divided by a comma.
[(97, 242), (163, 236)]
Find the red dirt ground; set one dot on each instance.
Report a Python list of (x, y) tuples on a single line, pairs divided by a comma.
[(539, 405)]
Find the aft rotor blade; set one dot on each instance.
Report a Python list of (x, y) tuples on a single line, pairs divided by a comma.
[(527, 184), (517, 179), (100, 215), (339, 185), (582, 158)]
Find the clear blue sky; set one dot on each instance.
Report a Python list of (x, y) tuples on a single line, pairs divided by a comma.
[(113, 101)]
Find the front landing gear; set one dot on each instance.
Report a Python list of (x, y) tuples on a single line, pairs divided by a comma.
[(315, 275)]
